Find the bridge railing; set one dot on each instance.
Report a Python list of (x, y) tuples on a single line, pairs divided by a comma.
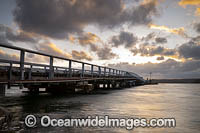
[(51, 68)]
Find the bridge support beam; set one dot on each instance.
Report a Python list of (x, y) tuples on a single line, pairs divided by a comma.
[(30, 73), (96, 86), (108, 85), (51, 71), (22, 55), (70, 68), (92, 70), (104, 86), (83, 70), (2, 89), (99, 71)]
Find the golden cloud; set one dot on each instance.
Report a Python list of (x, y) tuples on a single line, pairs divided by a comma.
[(89, 38), (149, 1), (81, 55), (71, 39), (179, 31), (184, 3), (197, 11), (84, 39), (196, 3)]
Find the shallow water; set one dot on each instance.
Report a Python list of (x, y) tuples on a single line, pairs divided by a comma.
[(180, 101)]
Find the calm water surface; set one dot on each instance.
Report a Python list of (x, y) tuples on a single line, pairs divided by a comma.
[(181, 101)]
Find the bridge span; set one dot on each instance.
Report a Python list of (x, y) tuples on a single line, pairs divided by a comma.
[(59, 79)]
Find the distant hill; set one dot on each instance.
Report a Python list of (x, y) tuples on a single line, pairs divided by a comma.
[(176, 80)]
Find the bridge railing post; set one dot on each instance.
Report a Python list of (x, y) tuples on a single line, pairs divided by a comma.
[(83, 70), (99, 70), (10, 72), (51, 69), (70, 68), (113, 71), (109, 71), (92, 70), (104, 71), (22, 56), (30, 72)]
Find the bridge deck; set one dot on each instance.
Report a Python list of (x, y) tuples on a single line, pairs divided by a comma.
[(23, 73)]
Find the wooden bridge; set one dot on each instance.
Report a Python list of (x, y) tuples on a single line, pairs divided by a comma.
[(56, 79)]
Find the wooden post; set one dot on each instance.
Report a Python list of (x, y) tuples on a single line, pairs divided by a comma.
[(51, 71), (30, 73), (2, 89), (10, 72), (83, 70), (109, 71), (113, 71), (99, 70), (70, 68), (92, 69), (104, 71), (22, 55), (10, 75)]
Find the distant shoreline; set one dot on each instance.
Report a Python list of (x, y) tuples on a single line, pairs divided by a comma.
[(176, 80)]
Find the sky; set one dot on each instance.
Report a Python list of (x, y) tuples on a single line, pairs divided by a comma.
[(141, 36)]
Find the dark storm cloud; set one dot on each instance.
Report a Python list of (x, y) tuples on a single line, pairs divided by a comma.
[(190, 50), (167, 69), (106, 53), (195, 39), (7, 34), (58, 18), (197, 27), (124, 38), (149, 37), (161, 40), (152, 50)]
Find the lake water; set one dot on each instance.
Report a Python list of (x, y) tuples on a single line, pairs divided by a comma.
[(180, 101)]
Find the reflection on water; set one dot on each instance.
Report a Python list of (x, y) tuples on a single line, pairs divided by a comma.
[(180, 101)]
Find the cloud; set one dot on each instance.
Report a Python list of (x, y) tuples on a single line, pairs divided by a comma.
[(102, 50), (197, 27), (197, 11), (106, 53), (87, 39), (196, 3), (160, 58), (154, 50), (124, 38), (6, 56), (189, 2), (51, 48), (7, 34), (58, 18), (190, 50), (177, 31), (81, 55), (161, 40), (167, 69), (196, 39), (149, 37)]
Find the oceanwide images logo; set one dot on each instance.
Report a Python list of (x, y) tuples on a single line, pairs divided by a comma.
[(99, 121)]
